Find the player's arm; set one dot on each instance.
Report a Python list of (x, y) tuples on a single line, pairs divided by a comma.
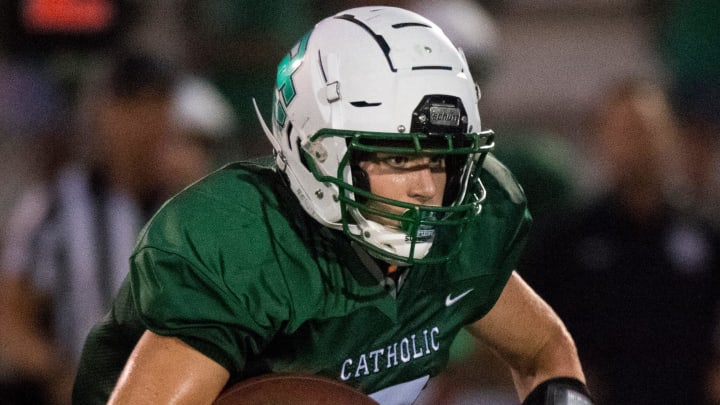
[(528, 334), (165, 370)]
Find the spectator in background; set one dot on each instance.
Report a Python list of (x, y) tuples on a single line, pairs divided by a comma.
[(698, 105), (634, 277), (31, 108), (203, 121), (689, 42), (68, 241), (31, 105)]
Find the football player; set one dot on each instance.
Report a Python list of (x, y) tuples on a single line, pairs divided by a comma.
[(383, 227)]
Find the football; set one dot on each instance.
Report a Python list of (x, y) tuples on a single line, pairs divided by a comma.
[(292, 389)]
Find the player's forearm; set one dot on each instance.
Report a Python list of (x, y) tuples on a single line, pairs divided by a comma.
[(529, 336), (557, 357), (164, 370)]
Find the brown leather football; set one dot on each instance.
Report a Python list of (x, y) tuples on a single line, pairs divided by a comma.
[(292, 389)]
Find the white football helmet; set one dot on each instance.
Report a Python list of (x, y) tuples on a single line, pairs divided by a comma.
[(379, 79)]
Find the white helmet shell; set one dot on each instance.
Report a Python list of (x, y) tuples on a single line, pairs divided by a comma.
[(364, 69)]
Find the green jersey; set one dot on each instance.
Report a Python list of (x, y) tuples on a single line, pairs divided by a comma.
[(235, 268)]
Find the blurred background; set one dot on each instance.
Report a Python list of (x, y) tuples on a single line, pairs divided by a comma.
[(557, 77)]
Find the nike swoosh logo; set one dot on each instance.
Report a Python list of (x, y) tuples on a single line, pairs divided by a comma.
[(450, 300)]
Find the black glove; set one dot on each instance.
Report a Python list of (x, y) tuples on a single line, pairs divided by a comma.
[(559, 391)]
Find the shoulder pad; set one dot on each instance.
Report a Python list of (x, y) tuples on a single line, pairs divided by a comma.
[(503, 177)]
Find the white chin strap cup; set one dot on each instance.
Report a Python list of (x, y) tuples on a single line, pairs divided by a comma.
[(390, 240)]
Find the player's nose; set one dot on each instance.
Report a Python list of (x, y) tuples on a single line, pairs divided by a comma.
[(423, 187)]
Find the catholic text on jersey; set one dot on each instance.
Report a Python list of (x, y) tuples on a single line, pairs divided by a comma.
[(403, 351)]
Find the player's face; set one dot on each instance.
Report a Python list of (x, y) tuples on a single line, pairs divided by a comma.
[(416, 179)]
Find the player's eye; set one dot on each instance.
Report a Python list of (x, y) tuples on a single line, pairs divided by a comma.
[(398, 161), (411, 162), (437, 161)]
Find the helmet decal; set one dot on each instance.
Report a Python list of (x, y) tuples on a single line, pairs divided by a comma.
[(284, 82)]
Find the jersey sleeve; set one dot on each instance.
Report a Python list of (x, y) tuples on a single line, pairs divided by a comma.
[(202, 273), (174, 298), (495, 242), (507, 212)]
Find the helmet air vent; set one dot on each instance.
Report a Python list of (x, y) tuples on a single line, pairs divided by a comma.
[(410, 24), (431, 68), (364, 104)]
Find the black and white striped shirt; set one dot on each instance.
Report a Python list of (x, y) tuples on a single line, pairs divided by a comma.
[(73, 238)]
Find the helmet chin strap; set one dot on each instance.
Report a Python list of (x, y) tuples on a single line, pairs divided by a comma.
[(388, 239)]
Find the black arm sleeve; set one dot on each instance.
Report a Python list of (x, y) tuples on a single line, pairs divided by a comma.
[(559, 391)]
